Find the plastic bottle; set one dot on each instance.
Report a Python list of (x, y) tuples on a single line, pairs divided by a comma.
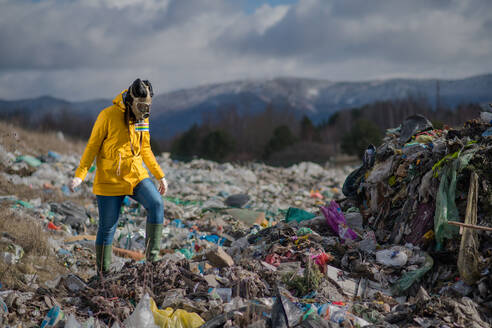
[(224, 293), (338, 314), (52, 317)]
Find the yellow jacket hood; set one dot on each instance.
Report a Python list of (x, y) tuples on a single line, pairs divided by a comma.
[(118, 100)]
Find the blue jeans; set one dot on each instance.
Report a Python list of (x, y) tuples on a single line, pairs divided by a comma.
[(109, 209)]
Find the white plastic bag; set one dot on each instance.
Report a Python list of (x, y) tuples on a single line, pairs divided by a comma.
[(142, 317), (392, 257), (72, 322)]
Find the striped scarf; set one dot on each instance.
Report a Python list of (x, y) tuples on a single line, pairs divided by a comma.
[(142, 126)]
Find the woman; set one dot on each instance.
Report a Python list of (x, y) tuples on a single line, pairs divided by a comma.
[(120, 140)]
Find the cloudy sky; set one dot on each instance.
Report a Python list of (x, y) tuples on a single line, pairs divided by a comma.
[(84, 49)]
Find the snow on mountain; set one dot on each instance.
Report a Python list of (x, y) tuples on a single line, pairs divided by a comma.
[(319, 99), (176, 111)]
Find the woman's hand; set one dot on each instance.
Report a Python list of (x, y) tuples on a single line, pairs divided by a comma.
[(162, 186), (74, 184)]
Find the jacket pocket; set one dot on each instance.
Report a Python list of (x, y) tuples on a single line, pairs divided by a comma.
[(107, 171)]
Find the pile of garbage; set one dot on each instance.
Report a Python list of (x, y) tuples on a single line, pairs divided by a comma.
[(431, 189), (257, 246)]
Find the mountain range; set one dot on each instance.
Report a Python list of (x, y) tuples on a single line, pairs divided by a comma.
[(176, 111)]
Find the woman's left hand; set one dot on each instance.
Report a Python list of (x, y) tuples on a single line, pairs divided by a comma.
[(163, 186)]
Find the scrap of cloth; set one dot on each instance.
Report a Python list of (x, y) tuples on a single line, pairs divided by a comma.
[(142, 126)]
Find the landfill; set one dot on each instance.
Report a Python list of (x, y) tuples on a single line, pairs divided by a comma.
[(402, 240)]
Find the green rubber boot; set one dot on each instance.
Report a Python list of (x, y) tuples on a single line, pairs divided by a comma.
[(153, 237), (103, 257)]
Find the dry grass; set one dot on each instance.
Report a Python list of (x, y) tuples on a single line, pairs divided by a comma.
[(36, 143), (37, 258), (25, 192), (14, 138), (25, 231)]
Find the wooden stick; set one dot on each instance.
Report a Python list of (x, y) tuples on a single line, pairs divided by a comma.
[(137, 256), (472, 226), (79, 238)]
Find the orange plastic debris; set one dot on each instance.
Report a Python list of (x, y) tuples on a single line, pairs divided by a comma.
[(52, 226), (48, 185), (322, 260), (316, 194)]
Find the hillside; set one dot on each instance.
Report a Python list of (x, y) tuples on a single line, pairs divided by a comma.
[(174, 112)]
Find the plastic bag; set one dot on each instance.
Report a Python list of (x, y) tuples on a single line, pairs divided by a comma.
[(486, 117), (4, 310), (221, 293), (468, 258), (352, 182), (392, 257), (214, 239), (237, 201), (304, 231), (241, 242), (381, 171), (369, 157), (168, 318), (72, 322), (322, 260), (413, 125), (315, 321), (142, 317), (446, 209), (487, 133), (336, 220), (340, 315), (285, 313), (421, 224), (410, 277), (296, 214), (32, 161)]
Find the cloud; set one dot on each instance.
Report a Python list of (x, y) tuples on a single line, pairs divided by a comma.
[(417, 32), (84, 49)]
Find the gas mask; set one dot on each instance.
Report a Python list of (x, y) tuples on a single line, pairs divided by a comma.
[(140, 93)]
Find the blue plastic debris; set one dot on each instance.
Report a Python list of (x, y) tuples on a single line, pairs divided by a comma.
[(126, 201), (30, 160), (52, 318), (178, 223), (62, 251), (65, 190), (487, 133), (53, 155), (3, 307), (224, 194), (24, 204), (214, 239)]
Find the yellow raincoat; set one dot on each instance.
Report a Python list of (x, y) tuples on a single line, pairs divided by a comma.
[(118, 169)]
